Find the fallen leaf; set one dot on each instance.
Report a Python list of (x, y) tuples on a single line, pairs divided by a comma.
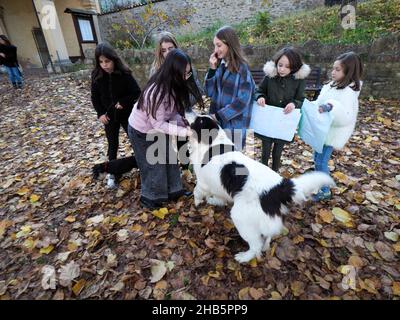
[(343, 216), (49, 277), (46, 250), (77, 288), (68, 273), (391, 236), (326, 215)]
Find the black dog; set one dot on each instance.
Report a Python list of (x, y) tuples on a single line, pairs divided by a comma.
[(116, 167)]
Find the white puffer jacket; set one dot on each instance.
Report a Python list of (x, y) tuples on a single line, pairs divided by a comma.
[(344, 111)]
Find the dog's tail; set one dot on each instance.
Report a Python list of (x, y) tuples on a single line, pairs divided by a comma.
[(308, 183)]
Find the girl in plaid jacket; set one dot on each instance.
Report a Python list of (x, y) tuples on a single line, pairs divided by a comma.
[(230, 85)]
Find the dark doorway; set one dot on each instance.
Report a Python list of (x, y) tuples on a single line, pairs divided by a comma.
[(41, 46)]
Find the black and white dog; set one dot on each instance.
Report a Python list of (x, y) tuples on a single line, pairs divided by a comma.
[(259, 195)]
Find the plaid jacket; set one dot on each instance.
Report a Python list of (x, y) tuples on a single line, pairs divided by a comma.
[(232, 96)]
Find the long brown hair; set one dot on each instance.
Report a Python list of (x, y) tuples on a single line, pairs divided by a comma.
[(104, 49), (169, 83), (235, 55), (293, 56), (352, 69), (164, 37)]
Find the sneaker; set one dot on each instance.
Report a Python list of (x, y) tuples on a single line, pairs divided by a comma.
[(322, 196), (111, 183)]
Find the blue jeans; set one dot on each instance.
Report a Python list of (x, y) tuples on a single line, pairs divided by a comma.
[(15, 76), (321, 162)]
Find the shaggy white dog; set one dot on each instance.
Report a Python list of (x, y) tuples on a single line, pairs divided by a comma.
[(259, 195)]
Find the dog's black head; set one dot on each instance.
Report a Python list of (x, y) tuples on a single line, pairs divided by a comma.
[(205, 128)]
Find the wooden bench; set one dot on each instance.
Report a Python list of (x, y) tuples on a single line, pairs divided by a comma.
[(313, 81)]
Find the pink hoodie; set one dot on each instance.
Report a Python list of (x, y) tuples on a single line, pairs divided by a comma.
[(167, 120)]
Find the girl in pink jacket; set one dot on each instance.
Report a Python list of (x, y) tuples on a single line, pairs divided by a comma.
[(159, 115)]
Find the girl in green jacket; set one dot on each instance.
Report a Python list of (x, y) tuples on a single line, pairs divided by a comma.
[(283, 86)]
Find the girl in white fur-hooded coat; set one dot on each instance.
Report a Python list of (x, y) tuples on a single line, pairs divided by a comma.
[(340, 97), (283, 86)]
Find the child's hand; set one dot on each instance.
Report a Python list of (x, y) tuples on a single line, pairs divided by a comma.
[(213, 61), (261, 101), (189, 131), (104, 119), (289, 108), (118, 106), (325, 108)]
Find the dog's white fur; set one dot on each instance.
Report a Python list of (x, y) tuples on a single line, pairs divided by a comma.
[(253, 224)]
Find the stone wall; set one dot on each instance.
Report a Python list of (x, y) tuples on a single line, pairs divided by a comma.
[(381, 61), (208, 12)]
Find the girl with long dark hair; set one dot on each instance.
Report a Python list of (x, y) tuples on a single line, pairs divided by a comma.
[(114, 92)]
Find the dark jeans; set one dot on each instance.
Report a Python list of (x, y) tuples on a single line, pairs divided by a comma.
[(276, 145), (159, 181), (112, 134)]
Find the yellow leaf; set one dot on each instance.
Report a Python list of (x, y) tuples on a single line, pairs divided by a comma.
[(396, 247), (359, 197), (204, 280), (325, 215), (214, 274), (244, 293), (47, 250), (193, 244), (322, 242), (396, 288), (29, 243), (229, 226), (136, 228), (70, 219), (23, 191), (343, 216), (297, 239), (34, 198), (297, 288), (24, 231), (238, 276), (160, 213), (285, 231), (72, 246), (341, 177), (253, 262), (275, 295), (77, 288), (4, 224)]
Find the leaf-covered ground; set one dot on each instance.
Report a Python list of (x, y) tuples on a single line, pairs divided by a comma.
[(65, 236)]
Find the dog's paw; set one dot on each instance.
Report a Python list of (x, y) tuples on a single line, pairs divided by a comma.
[(197, 201), (246, 256), (214, 201)]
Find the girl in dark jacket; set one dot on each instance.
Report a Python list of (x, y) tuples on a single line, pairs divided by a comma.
[(283, 86), (114, 91), (8, 57)]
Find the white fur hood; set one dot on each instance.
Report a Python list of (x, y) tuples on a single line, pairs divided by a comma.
[(271, 70)]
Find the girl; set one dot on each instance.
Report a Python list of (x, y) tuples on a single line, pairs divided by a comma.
[(159, 114), (166, 42), (230, 85), (340, 97), (114, 91), (8, 55), (283, 87)]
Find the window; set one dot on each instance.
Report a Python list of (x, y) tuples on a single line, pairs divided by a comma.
[(85, 26)]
